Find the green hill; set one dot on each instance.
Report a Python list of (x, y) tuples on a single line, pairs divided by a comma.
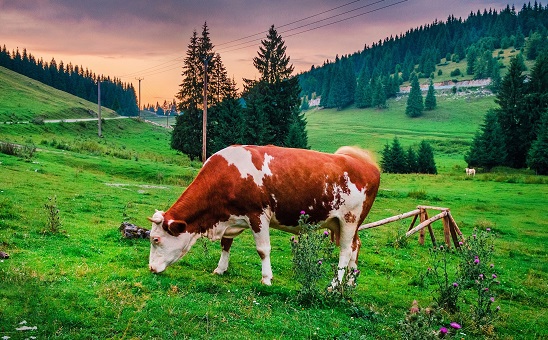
[(24, 99)]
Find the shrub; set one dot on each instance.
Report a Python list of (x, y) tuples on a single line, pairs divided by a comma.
[(8, 148), (312, 251), (53, 222), (448, 289)]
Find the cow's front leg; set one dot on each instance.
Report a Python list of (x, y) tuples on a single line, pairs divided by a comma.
[(226, 243), (262, 242)]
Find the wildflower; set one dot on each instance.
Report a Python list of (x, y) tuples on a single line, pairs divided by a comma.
[(414, 307), (303, 212), (492, 265), (488, 229), (481, 276), (492, 299), (326, 233), (441, 247), (476, 261), (320, 262), (455, 325), (494, 276), (486, 289), (455, 284), (498, 308), (443, 331), (460, 243)]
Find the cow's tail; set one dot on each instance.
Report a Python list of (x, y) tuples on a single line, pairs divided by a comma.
[(356, 152)]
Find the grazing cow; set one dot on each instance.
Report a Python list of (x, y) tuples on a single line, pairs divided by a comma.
[(470, 172), (263, 187)]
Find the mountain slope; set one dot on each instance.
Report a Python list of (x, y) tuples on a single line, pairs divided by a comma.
[(24, 99)]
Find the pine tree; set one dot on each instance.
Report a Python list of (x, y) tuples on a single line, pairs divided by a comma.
[(425, 159), (394, 158), (411, 161), (360, 95), (273, 101), (187, 134), (537, 158), (488, 149), (430, 102), (512, 115), (415, 104)]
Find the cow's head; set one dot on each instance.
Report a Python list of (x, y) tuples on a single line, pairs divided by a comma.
[(169, 241)]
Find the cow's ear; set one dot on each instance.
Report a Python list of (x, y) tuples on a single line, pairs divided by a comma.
[(176, 227)]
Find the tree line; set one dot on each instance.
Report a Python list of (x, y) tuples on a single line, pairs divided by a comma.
[(267, 112), (73, 79), (367, 78)]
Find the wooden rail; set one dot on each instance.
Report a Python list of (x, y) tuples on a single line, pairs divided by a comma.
[(451, 231)]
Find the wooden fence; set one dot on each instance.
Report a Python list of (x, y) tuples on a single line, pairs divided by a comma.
[(450, 229)]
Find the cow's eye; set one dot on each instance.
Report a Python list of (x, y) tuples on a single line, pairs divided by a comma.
[(155, 240)]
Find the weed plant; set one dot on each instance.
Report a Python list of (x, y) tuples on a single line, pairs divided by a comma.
[(447, 285), (312, 253), (53, 222)]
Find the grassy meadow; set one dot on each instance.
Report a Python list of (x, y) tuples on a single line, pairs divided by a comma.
[(87, 282)]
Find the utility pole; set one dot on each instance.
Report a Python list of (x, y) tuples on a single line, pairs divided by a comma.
[(99, 106), (204, 120), (139, 79)]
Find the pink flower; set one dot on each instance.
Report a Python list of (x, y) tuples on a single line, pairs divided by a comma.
[(455, 284), (303, 212), (326, 233), (494, 276), (492, 299), (498, 308), (476, 260), (492, 265), (414, 307), (486, 289), (481, 276), (488, 229), (455, 325), (320, 262), (460, 243), (443, 330)]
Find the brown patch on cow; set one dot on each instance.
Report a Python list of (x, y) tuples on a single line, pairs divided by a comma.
[(226, 243), (261, 254), (350, 217)]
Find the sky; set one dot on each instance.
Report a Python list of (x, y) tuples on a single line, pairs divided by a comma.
[(149, 39)]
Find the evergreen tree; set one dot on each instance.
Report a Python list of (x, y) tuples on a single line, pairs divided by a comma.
[(378, 99), (226, 125), (415, 104), (425, 159), (537, 97), (411, 161), (487, 149), (360, 95), (273, 101), (512, 115), (430, 102), (394, 158), (537, 158), (188, 138)]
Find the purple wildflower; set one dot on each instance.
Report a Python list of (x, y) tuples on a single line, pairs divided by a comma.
[(476, 261), (492, 299), (494, 276), (492, 265), (455, 325), (460, 243), (488, 229), (486, 289), (303, 212), (320, 262), (326, 233), (455, 284), (481, 276), (443, 330)]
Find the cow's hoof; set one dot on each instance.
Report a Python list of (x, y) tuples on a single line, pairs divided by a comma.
[(218, 271), (267, 281)]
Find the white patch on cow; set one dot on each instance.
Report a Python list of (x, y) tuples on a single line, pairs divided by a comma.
[(230, 228), (242, 160), (349, 202)]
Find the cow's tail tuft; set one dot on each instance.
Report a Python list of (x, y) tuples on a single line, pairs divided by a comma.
[(357, 152)]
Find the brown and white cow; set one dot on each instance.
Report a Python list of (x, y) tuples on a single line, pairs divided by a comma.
[(263, 187)]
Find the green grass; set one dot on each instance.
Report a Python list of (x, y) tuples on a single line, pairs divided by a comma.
[(88, 282)]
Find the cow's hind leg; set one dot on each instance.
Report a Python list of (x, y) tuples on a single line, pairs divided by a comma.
[(353, 264), (226, 243), (348, 256), (262, 242)]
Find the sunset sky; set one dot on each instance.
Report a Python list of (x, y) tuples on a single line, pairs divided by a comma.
[(149, 39)]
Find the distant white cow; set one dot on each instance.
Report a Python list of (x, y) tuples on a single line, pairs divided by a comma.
[(470, 172)]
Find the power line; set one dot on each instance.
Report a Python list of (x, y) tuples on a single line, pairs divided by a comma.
[(158, 69)]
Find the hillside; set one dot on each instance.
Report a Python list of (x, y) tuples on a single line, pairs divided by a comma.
[(24, 99)]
